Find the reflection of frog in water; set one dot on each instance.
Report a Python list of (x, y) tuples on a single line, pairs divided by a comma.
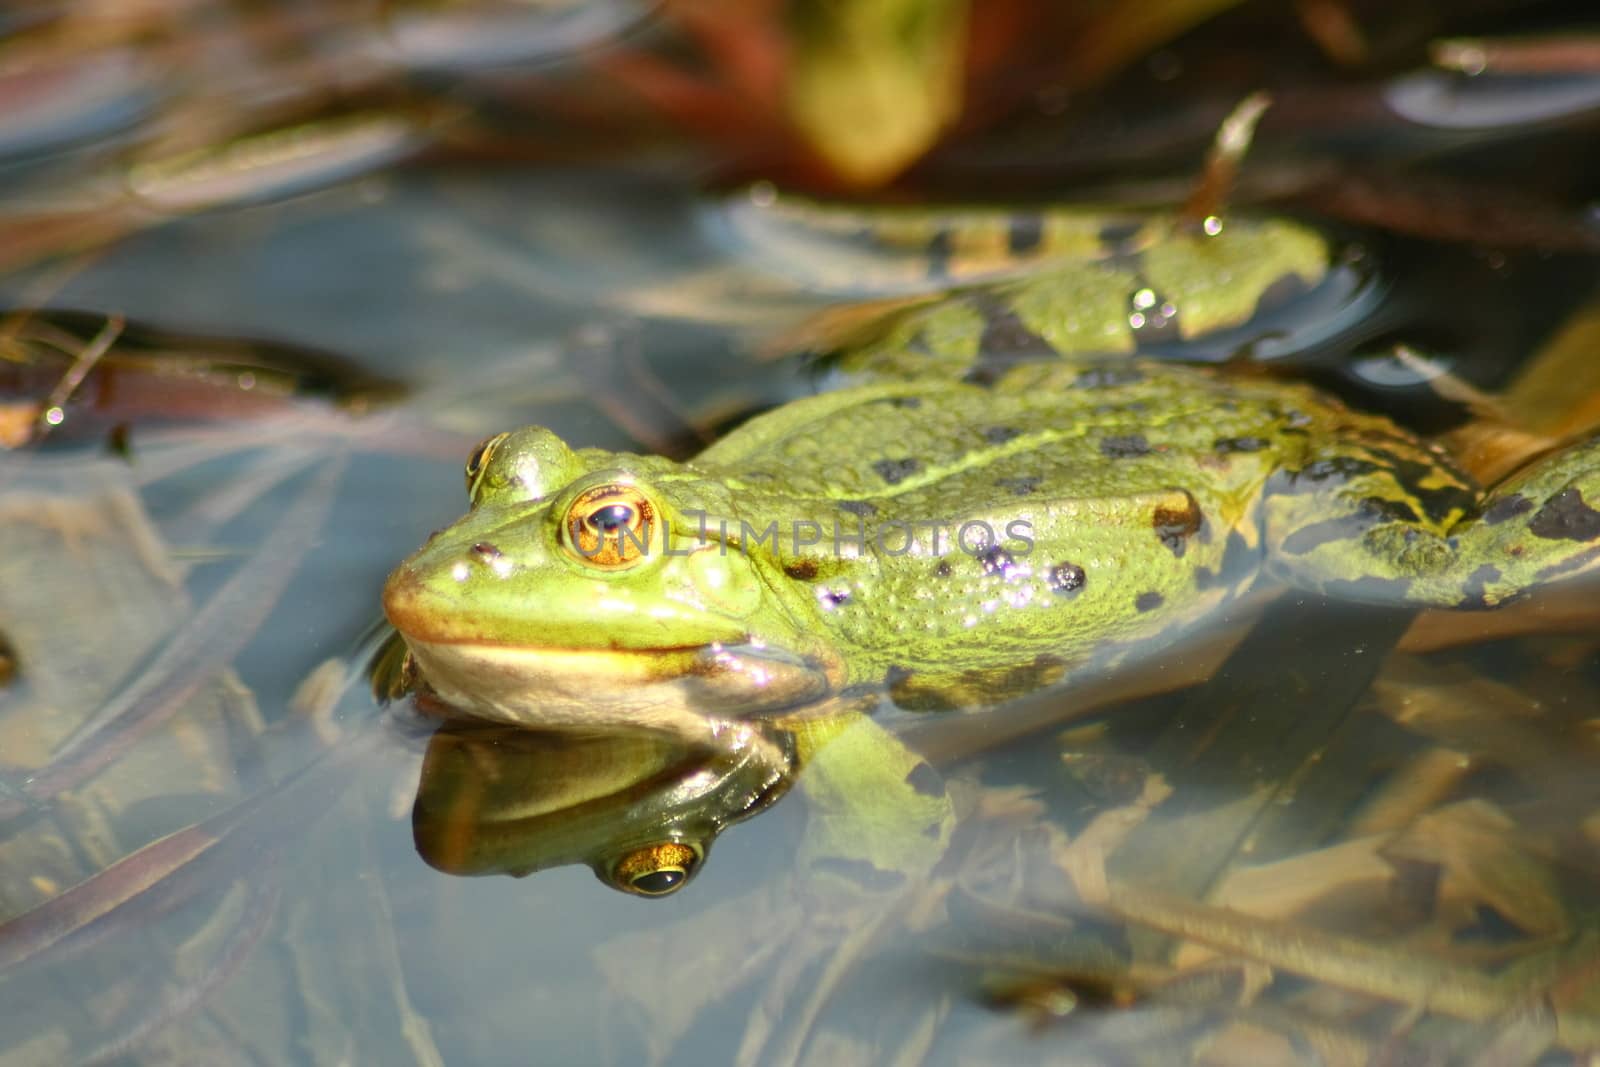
[(1007, 494), (637, 808)]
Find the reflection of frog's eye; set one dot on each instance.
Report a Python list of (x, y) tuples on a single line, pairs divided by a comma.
[(656, 870), (479, 460), (609, 527)]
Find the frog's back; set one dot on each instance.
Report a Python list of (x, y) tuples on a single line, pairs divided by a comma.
[(1041, 432), (1059, 508)]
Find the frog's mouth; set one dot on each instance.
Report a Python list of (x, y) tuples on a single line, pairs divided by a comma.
[(612, 688), (539, 672)]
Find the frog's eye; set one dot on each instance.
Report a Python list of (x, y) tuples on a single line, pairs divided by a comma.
[(609, 526), (657, 870), (479, 460)]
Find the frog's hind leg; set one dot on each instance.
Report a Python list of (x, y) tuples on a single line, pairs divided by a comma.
[(1372, 525), (1538, 526)]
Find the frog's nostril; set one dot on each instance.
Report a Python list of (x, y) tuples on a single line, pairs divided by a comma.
[(486, 552)]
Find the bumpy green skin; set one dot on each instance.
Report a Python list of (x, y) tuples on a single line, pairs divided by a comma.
[(1129, 499)]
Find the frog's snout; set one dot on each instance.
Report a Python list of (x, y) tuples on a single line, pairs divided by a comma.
[(403, 599)]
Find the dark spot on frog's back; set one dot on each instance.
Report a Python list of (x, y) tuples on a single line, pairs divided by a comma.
[(1566, 517), (995, 560), (1124, 446), (939, 255), (1337, 468), (864, 509), (1023, 486), (910, 403), (1394, 510), (1320, 476), (907, 692), (1175, 525), (1226, 445), (974, 688), (1004, 334), (1108, 377), (999, 435), (1119, 237), (1149, 601), (942, 569), (1024, 233), (895, 471), (1440, 502), (801, 570), (1067, 579), (1507, 508)]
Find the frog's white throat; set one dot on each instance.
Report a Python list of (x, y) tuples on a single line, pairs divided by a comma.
[(671, 690)]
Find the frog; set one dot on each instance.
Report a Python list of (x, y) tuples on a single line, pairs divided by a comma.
[(1008, 487)]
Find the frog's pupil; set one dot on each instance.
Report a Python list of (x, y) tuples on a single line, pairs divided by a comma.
[(656, 882), (480, 456), (611, 518)]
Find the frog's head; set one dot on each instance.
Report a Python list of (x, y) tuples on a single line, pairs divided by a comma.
[(590, 588)]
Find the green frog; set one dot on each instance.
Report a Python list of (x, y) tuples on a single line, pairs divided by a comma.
[(1007, 488)]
